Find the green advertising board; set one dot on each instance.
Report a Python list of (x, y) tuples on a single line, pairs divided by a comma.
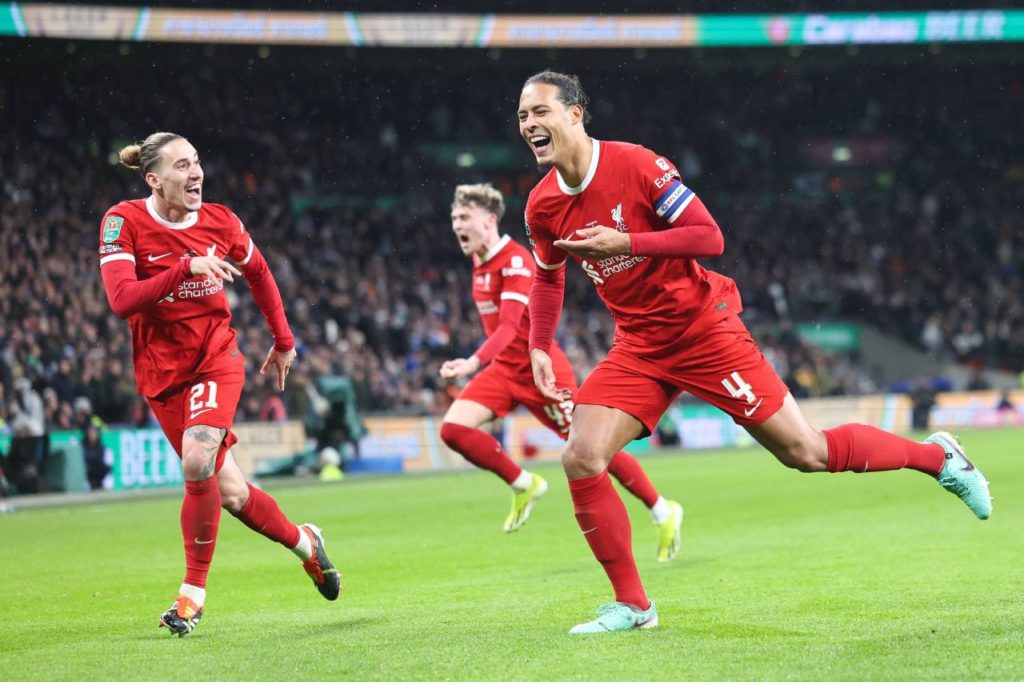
[(701, 426), (954, 26), (833, 336), (142, 458), (138, 458)]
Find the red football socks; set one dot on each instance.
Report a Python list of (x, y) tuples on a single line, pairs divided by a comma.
[(480, 449), (200, 519), (262, 514), (605, 525), (861, 448), (630, 474)]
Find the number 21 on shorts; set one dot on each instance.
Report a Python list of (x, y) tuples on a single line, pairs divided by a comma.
[(197, 405)]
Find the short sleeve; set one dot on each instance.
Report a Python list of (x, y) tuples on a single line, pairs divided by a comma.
[(667, 194), (516, 278), (241, 242), (545, 253), (116, 238)]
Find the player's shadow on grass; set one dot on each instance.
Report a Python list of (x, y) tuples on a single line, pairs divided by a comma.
[(586, 568), (713, 630), (330, 627), (320, 629)]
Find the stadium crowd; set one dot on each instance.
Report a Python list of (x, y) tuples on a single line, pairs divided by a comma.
[(887, 194)]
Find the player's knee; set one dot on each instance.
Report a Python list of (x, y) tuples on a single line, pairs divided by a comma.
[(582, 459), (197, 464), (232, 498), (450, 434), (802, 455)]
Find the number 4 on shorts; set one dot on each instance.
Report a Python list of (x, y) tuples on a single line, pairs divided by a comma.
[(738, 388)]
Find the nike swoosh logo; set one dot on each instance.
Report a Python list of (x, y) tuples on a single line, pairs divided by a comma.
[(162, 255), (590, 531), (753, 409), (196, 414), (202, 542)]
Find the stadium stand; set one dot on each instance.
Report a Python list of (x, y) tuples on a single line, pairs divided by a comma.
[(848, 189)]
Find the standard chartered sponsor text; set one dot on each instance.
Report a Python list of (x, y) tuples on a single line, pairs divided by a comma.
[(197, 288), (610, 266)]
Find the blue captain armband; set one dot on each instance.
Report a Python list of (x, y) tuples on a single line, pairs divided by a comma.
[(673, 201)]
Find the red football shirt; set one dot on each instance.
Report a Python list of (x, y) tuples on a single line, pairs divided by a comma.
[(654, 301), (505, 274), (189, 330)]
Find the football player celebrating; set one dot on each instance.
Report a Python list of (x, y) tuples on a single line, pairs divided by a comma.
[(623, 213), (163, 263), (502, 273)]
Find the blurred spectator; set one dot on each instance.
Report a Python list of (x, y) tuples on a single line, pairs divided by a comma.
[(27, 457), (1005, 403), (342, 427), (977, 381), (302, 399), (95, 455), (83, 415), (922, 400), (1009, 414), (273, 409)]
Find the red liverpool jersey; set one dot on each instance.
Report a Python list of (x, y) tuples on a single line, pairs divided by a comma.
[(505, 274), (189, 330), (654, 300)]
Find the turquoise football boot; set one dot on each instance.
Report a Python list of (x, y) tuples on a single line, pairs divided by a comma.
[(962, 478), (618, 617)]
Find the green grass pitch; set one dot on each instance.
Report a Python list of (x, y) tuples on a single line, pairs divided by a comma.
[(782, 576)]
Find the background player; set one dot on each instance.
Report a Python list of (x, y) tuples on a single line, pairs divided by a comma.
[(502, 273), (677, 328), (163, 267)]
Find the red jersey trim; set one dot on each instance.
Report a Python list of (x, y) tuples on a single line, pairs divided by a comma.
[(513, 296), (117, 256), (545, 265), (248, 253)]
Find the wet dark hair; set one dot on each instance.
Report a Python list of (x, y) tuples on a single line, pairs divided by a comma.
[(570, 91), (144, 157)]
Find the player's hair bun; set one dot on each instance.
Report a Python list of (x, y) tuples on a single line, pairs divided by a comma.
[(131, 156)]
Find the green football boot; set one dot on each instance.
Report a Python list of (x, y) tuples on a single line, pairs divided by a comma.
[(522, 503), (669, 534)]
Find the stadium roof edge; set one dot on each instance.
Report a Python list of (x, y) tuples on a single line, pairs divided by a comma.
[(162, 24)]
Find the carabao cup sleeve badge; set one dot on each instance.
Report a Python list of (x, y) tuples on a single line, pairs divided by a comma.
[(112, 228)]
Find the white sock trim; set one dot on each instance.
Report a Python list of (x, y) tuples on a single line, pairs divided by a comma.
[(661, 512), (523, 481), (196, 594), (304, 548)]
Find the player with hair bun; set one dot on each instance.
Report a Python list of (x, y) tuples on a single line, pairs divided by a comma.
[(623, 213), (163, 260), (502, 273)]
